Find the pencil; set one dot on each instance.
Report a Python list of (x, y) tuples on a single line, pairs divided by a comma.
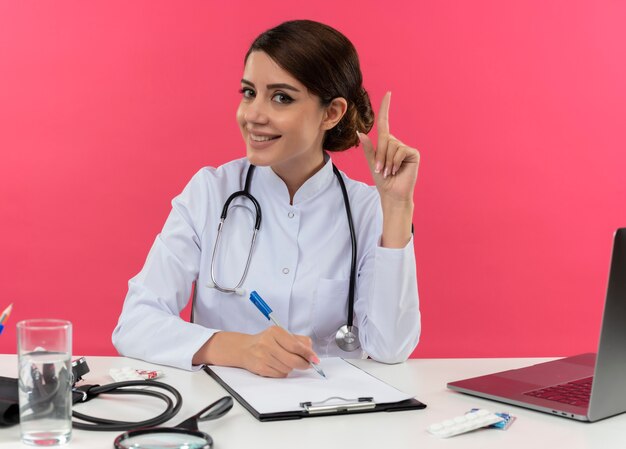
[(5, 316)]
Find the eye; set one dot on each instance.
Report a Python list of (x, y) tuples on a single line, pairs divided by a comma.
[(282, 98), (247, 92)]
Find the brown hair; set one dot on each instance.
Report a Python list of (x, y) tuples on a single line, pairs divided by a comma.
[(326, 62)]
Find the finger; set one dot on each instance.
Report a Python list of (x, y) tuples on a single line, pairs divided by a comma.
[(405, 155), (274, 361), (291, 344), (269, 371), (287, 361), (397, 160), (266, 365), (381, 152), (383, 115), (271, 354), (368, 149), (306, 341), (392, 149)]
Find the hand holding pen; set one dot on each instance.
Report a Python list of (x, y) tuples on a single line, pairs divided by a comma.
[(297, 351)]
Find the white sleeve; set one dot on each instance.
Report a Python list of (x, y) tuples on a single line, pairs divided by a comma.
[(149, 327), (387, 307)]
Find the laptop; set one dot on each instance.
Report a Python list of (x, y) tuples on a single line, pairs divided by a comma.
[(585, 387)]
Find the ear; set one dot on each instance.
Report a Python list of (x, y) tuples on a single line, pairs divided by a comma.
[(334, 112)]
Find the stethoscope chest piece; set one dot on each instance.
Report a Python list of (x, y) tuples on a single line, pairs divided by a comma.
[(347, 338)]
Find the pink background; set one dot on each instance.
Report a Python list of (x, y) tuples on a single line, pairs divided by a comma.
[(107, 108)]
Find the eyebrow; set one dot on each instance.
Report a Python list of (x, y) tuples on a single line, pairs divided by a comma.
[(272, 86)]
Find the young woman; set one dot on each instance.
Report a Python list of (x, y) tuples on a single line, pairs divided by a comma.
[(301, 98)]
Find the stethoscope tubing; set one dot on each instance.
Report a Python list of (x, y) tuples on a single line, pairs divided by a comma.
[(257, 225), (238, 290), (352, 244), (247, 194), (102, 424)]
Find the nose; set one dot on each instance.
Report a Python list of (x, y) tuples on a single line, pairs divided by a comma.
[(255, 111)]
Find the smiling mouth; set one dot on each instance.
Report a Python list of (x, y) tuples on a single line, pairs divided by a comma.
[(262, 138)]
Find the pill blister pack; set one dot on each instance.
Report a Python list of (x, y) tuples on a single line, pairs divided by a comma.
[(128, 373), (465, 423), (506, 422)]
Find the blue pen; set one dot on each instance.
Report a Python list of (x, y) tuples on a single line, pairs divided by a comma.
[(267, 312)]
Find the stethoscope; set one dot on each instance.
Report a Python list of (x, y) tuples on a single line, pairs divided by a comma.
[(347, 336)]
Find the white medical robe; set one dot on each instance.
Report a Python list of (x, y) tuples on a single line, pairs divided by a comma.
[(300, 266)]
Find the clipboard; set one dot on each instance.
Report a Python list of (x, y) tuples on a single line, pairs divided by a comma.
[(330, 406)]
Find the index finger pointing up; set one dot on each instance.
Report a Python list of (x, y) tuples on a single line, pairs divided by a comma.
[(383, 115)]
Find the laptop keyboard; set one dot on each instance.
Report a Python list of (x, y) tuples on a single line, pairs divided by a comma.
[(576, 392)]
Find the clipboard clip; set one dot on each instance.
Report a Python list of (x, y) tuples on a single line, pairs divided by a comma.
[(345, 405)]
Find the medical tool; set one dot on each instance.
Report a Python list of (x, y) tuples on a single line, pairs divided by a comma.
[(267, 312), (86, 393), (347, 336), (185, 435), (46, 386), (257, 224)]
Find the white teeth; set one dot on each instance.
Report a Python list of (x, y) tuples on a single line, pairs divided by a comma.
[(261, 138)]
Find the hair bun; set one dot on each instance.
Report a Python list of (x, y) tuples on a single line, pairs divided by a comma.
[(364, 108), (358, 117)]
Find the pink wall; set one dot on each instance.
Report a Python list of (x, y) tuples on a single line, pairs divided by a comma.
[(108, 108)]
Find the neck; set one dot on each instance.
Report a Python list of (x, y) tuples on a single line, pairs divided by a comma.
[(296, 172)]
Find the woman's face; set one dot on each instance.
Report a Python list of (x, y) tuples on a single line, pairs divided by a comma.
[(281, 122)]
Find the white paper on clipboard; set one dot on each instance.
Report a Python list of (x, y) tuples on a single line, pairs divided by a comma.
[(269, 395)]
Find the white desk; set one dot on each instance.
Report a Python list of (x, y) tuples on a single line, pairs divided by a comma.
[(426, 379)]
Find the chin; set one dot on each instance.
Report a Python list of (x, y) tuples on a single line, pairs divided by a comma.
[(259, 158)]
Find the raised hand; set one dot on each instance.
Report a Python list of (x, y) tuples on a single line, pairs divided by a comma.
[(394, 169), (392, 163)]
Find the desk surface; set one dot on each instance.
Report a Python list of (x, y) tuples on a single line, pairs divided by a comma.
[(424, 378)]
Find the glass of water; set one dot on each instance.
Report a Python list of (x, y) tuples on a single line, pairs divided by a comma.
[(44, 349)]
